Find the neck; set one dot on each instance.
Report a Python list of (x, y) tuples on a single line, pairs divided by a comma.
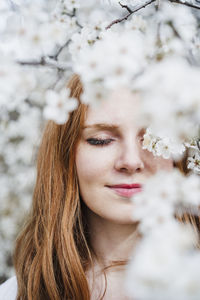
[(111, 241)]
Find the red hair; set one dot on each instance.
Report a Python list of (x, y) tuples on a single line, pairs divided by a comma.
[(52, 251)]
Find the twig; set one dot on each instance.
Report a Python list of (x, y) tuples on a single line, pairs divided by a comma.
[(170, 23), (129, 14), (50, 61), (125, 6), (45, 61), (198, 143), (40, 62), (190, 58), (185, 3), (71, 15), (55, 56)]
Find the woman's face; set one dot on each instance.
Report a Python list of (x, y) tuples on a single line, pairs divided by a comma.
[(111, 164)]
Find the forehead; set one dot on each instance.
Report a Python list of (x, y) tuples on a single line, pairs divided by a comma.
[(121, 108)]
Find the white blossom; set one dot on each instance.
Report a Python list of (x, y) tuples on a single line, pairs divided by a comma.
[(162, 146), (137, 23), (59, 105), (82, 40), (181, 18), (172, 108), (118, 71), (162, 266), (71, 4), (194, 163), (94, 94), (162, 196)]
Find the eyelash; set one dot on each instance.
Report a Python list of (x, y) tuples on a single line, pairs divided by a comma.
[(103, 142), (99, 142)]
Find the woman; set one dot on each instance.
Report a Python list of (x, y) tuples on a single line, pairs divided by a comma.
[(80, 222)]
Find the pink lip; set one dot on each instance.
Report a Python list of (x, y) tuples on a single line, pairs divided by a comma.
[(126, 190)]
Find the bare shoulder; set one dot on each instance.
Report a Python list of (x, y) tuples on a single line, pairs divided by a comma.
[(8, 290)]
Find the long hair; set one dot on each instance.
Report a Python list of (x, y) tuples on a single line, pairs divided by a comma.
[(53, 250)]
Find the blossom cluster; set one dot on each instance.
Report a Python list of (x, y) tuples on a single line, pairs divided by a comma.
[(165, 263), (163, 196)]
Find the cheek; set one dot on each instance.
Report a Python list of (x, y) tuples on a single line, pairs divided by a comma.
[(84, 166), (155, 163), (91, 164), (164, 164)]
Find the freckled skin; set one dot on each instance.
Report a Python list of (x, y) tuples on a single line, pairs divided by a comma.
[(121, 161)]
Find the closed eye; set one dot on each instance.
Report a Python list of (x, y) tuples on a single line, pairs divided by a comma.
[(99, 142)]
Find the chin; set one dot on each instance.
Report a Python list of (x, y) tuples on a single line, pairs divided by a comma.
[(124, 220)]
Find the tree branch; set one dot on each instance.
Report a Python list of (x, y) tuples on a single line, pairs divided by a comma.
[(46, 61), (185, 3), (130, 13), (49, 61)]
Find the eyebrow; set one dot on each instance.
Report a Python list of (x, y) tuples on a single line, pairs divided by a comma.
[(110, 127), (102, 126)]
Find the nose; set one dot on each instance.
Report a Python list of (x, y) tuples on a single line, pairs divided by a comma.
[(129, 158)]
